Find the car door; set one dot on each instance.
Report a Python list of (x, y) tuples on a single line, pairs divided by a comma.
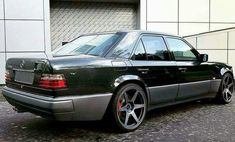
[(152, 62), (194, 76)]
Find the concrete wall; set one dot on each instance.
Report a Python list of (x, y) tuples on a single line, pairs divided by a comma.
[(219, 45), (24, 30), (186, 17)]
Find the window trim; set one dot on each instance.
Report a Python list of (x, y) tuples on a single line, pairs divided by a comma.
[(153, 35), (194, 51), (135, 48), (110, 51)]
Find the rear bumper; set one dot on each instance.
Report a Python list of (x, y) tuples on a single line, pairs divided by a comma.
[(70, 108)]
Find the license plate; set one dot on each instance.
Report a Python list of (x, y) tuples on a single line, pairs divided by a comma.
[(24, 77)]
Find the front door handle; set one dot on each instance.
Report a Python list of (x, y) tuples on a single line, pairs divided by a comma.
[(143, 70), (183, 69)]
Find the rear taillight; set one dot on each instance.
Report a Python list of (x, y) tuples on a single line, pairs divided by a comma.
[(7, 75), (52, 81)]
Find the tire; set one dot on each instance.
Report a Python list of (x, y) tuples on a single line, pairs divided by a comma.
[(225, 93), (129, 107)]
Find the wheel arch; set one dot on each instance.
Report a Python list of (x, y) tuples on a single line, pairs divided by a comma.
[(120, 82), (126, 79), (224, 70)]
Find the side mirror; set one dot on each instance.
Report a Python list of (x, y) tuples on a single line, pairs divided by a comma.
[(203, 57), (64, 42)]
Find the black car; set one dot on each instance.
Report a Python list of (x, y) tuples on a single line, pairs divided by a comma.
[(120, 74)]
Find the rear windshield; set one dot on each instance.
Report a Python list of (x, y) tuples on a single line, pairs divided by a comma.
[(95, 45)]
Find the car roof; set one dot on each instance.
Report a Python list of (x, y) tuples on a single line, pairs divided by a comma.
[(138, 32), (148, 32)]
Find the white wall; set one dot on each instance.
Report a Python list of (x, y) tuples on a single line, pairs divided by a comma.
[(190, 17), (187, 17), (220, 45), (24, 30)]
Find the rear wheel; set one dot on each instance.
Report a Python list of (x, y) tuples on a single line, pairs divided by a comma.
[(225, 92), (129, 107)]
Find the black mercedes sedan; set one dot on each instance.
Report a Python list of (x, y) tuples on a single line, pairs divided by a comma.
[(120, 74)]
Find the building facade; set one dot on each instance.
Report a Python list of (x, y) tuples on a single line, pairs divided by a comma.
[(32, 28)]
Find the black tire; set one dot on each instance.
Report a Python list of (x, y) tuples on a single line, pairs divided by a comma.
[(225, 93), (129, 107)]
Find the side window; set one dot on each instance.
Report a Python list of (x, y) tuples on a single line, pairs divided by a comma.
[(181, 50), (125, 47), (155, 48), (139, 53)]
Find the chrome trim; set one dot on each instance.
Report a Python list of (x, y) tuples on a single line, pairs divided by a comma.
[(163, 86), (23, 70), (188, 83), (139, 63), (179, 84)]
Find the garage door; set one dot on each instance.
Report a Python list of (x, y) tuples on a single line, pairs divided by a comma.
[(69, 19)]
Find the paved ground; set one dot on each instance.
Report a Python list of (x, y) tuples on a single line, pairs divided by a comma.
[(1, 97), (194, 121)]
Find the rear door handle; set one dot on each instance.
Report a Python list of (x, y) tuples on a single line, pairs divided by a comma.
[(143, 70), (183, 69)]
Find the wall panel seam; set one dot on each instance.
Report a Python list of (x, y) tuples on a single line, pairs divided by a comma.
[(178, 18), (227, 45), (146, 15), (191, 22), (24, 19), (44, 28), (5, 34), (25, 51), (209, 15)]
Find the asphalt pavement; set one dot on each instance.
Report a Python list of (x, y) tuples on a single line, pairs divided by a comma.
[(194, 121)]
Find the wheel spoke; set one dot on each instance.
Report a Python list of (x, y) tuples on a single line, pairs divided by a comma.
[(226, 80), (226, 96), (134, 96), (229, 95), (230, 85), (134, 116), (123, 108), (224, 85), (126, 97), (137, 106), (127, 118)]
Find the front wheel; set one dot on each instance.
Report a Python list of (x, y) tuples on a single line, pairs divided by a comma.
[(225, 93), (129, 107)]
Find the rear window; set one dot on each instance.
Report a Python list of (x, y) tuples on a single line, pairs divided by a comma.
[(95, 45)]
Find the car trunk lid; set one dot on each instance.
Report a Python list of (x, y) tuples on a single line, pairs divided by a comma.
[(25, 74)]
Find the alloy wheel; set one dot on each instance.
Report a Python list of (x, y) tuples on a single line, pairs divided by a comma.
[(227, 87), (131, 108)]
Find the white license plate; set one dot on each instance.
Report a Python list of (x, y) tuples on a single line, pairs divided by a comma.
[(24, 77)]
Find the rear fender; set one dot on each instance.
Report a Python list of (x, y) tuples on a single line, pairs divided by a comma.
[(125, 79)]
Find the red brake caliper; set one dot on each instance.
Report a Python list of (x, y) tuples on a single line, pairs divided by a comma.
[(119, 106)]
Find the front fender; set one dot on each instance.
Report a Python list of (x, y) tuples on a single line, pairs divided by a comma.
[(225, 70), (219, 69)]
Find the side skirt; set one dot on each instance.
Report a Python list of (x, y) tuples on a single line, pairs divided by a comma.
[(151, 107)]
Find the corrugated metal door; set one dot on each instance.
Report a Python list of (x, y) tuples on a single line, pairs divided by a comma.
[(69, 19)]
